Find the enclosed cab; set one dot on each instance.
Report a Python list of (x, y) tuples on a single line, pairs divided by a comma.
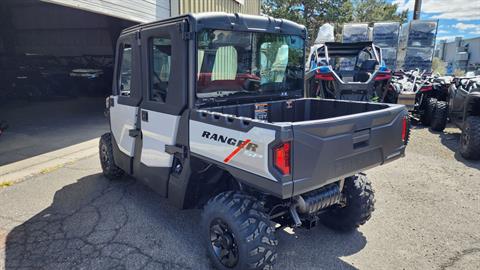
[(209, 111)]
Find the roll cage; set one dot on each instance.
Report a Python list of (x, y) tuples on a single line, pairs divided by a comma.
[(366, 56)]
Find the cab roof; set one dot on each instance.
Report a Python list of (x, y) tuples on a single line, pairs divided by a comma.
[(229, 21)]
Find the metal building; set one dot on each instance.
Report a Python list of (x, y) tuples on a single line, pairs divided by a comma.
[(463, 54), (56, 65), (38, 36), (230, 6)]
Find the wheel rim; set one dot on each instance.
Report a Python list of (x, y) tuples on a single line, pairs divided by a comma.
[(223, 243), (103, 154)]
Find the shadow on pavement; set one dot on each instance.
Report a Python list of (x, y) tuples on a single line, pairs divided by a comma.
[(318, 248), (452, 141), (100, 224), (40, 127)]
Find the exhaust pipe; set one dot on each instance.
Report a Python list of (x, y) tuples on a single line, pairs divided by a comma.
[(317, 200), (314, 201)]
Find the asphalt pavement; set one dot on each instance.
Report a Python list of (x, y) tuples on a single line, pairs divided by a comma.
[(427, 217)]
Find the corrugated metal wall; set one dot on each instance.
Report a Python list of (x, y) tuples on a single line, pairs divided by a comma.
[(152, 10), (230, 6), (46, 29), (133, 10)]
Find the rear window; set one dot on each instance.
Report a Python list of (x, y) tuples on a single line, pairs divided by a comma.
[(248, 64)]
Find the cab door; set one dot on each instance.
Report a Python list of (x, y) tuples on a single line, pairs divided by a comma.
[(164, 79), (125, 101)]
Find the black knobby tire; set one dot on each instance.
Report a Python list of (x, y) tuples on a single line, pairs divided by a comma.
[(470, 138), (246, 234), (360, 201), (105, 149), (439, 117), (426, 117)]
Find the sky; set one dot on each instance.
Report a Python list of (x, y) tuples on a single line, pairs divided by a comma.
[(456, 17)]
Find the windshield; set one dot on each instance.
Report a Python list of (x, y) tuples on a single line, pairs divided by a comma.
[(248, 64)]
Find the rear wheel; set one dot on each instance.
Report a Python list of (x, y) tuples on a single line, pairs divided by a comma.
[(360, 201), (110, 170), (426, 117), (470, 138), (239, 233), (439, 116)]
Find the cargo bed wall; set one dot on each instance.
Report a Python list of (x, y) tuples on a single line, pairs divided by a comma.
[(327, 150), (298, 110)]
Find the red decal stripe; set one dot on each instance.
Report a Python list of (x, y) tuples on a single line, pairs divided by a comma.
[(234, 152)]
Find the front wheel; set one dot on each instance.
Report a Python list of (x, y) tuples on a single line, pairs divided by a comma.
[(470, 138), (359, 205), (239, 234), (426, 117), (439, 117), (110, 170)]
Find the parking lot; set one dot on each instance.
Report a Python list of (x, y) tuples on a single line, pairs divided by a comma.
[(427, 215)]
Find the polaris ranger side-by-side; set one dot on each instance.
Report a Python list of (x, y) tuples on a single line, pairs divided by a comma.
[(209, 111)]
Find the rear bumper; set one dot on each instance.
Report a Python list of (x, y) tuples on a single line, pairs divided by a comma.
[(305, 185)]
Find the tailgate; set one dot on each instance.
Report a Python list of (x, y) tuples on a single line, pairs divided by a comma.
[(329, 149)]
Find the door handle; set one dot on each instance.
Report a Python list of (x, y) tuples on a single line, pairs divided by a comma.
[(133, 132), (145, 116)]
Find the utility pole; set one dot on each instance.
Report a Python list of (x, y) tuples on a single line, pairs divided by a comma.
[(417, 9)]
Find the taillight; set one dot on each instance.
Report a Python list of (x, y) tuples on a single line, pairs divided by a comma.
[(382, 76), (404, 128), (281, 158), (324, 73), (426, 88), (324, 77)]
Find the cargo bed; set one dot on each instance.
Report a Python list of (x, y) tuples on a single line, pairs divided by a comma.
[(299, 110), (331, 139)]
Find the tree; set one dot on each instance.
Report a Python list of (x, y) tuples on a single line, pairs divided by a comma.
[(311, 13), (458, 73), (377, 11), (314, 13), (438, 66)]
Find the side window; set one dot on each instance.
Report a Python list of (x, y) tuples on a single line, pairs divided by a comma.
[(160, 66), (125, 75)]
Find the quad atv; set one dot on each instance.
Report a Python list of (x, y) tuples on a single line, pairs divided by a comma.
[(424, 95), (348, 71), (209, 111), (464, 112)]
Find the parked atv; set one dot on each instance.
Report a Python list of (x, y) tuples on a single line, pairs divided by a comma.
[(464, 112), (347, 71), (437, 102), (209, 111), (424, 95)]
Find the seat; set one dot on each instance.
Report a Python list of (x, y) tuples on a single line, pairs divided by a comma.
[(279, 66), (225, 64), (365, 71)]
